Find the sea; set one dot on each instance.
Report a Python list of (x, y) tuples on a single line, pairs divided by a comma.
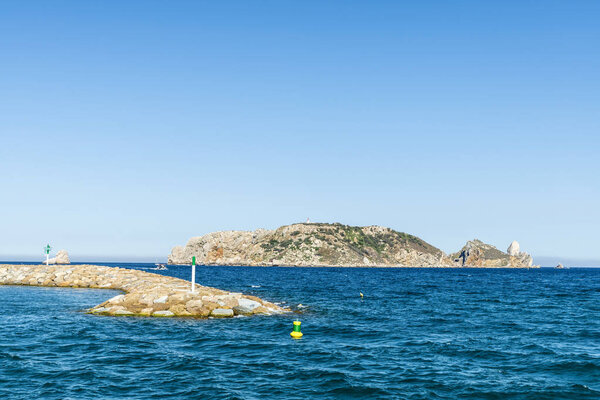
[(414, 334)]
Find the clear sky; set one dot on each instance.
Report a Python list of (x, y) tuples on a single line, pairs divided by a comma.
[(129, 126)]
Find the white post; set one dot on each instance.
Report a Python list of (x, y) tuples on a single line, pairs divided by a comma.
[(193, 274), (47, 250)]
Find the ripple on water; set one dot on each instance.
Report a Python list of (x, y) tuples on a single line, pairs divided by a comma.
[(417, 334)]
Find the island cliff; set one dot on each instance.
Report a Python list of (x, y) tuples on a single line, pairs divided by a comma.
[(316, 244)]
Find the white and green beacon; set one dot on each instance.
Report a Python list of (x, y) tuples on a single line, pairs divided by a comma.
[(47, 251), (193, 274)]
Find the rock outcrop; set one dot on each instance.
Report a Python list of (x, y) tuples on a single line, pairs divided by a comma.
[(312, 244), (478, 254), (514, 249), (62, 257), (146, 294)]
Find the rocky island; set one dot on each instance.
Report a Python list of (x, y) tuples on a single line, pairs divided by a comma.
[(145, 294), (319, 244)]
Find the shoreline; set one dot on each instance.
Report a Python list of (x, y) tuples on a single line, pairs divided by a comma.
[(145, 294)]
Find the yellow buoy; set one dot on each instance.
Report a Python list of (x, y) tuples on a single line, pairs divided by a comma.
[(296, 334), (361, 295)]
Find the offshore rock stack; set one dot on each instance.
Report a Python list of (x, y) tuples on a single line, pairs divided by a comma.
[(146, 294)]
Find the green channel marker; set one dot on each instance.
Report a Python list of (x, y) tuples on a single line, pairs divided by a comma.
[(193, 274), (47, 251)]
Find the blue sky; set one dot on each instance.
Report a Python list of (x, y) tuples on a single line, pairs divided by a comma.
[(128, 127)]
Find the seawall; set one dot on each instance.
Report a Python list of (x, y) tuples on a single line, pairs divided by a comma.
[(145, 293)]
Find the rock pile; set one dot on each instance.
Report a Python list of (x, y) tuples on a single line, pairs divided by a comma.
[(146, 294)]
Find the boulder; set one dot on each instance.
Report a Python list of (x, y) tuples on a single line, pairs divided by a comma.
[(179, 310), (117, 299), (163, 313), (261, 310), (222, 312), (122, 312), (226, 301), (194, 306), (246, 306)]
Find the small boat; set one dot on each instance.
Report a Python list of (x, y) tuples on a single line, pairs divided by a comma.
[(161, 267)]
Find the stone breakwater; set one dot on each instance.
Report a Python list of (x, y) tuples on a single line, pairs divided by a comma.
[(146, 294)]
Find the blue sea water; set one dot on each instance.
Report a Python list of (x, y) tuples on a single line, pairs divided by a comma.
[(416, 334)]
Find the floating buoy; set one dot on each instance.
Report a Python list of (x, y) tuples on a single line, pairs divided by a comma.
[(296, 334), (361, 295)]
